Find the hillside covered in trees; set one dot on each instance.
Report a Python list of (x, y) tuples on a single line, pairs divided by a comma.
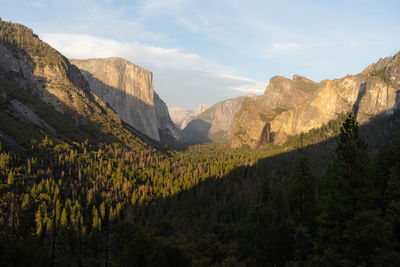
[(73, 204)]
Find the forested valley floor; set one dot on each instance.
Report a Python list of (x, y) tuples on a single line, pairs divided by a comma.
[(321, 199)]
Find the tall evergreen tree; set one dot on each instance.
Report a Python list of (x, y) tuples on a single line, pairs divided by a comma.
[(302, 191), (351, 230), (302, 206)]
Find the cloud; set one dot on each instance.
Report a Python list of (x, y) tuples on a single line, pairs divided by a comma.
[(244, 84), (285, 46), (87, 46), (180, 78), (282, 48), (202, 18), (37, 4)]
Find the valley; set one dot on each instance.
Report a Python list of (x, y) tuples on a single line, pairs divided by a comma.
[(94, 172)]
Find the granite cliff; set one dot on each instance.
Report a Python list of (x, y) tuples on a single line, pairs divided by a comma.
[(373, 92), (250, 125), (128, 89), (214, 124)]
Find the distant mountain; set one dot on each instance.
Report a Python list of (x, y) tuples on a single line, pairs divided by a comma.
[(291, 107), (214, 124), (128, 89), (181, 116)]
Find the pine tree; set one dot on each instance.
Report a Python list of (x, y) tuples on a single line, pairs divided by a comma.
[(10, 178), (302, 191), (348, 199), (302, 206), (64, 220), (95, 218), (38, 220)]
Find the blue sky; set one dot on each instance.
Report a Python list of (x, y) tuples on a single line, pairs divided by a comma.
[(208, 50)]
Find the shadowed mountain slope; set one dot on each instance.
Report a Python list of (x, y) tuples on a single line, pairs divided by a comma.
[(214, 124)]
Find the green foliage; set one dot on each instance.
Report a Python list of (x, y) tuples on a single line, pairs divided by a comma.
[(352, 228), (20, 37), (302, 192), (384, 76), (266, 117), (209, 205)]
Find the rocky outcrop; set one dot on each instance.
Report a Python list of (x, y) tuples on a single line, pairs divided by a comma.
[(214, 124), (374, 92), (128, 89), (251, 123), (23, 112)]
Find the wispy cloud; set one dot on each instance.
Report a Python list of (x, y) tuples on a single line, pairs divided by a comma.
[(85, 46), (38, 4), (182, 78), (277, 49), (245, 85), (256, 88), (285, 46)]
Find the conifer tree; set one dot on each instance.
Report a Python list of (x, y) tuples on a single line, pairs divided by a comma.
[(64, 219), (302, 205), (349, 216), (302, 191)]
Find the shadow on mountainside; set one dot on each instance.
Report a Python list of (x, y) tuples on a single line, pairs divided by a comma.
[(196, 132), (361, 93), (143, 118), (213, 211)]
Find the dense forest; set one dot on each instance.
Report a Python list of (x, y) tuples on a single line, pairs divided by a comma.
[(78, 205), (100, 194)]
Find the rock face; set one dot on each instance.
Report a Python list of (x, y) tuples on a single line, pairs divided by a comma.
[(181, 116), (374, 92), (26, 114), (128, 89), (214, 124), (164, 122), (251, 124)]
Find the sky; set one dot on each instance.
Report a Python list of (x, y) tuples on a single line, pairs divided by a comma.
[(205, 51)]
